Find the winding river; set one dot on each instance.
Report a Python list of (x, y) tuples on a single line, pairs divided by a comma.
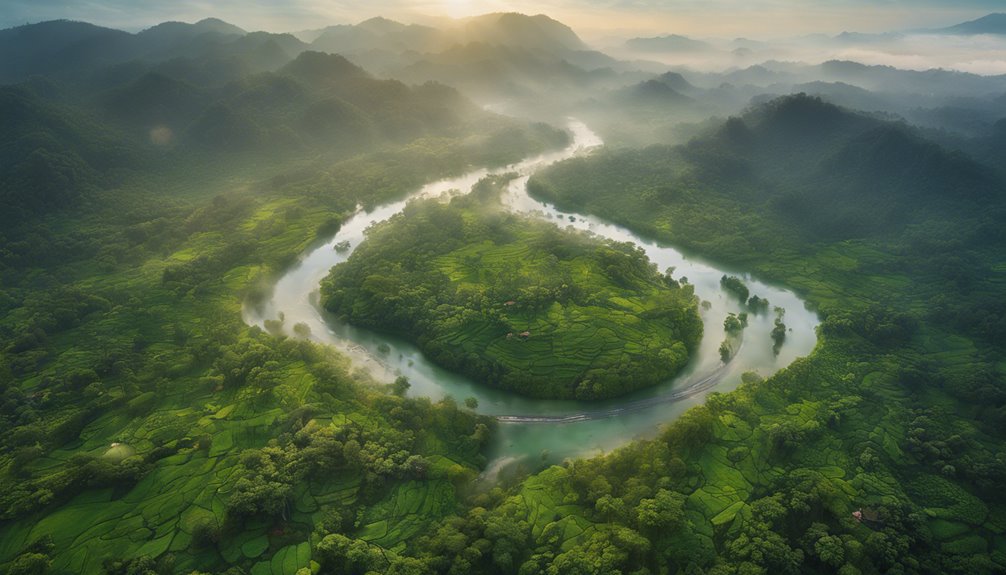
[(534, 431)]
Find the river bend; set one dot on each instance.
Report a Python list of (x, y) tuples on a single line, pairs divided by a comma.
[(539, 431)]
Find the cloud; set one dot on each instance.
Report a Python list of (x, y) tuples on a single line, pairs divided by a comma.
[(976, 54)]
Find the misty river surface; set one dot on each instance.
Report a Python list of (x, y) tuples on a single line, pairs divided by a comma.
[(616, 421)]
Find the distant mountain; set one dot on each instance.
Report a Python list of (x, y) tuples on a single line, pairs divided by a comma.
[(176, 30), (494, 71), (56, 35), (69, 50), (533, 33), (58, 147), (502, 54), (748, 43), (839, 172), (653, 97), (975, 119), (344, 38), (653, 93), (758, 75), (671, 43), (381, 25), (819, 171), (861, 38), (990, 24), (348, 104), (935, 82), (846, 95), (961, 103), (379, 34), (931, 85), (490, 55), (261, 50), (677, 82), (58, 45), (319, 69)]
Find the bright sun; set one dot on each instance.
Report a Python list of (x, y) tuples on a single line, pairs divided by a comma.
[(459, 8)]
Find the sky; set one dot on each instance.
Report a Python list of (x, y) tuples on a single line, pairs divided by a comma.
[(590, 18)]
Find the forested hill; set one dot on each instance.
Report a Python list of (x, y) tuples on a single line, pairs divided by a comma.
[(534, 33), (817, 170), (841, 172), (486, 55), (75, 50), (988, 24), (63, 141)]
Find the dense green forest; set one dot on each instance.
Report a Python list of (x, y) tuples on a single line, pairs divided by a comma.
[(516, 302), (151, 183), (146, 427), (898, 414)]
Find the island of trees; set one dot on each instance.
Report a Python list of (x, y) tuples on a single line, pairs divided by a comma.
[(517, 303)]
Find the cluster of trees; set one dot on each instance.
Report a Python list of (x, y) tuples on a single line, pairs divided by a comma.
[(377, 454), (736, 286), (879, 324), (758, 304), (778, 330), (733, 326), (735, 323), (35, 559), (44, 314)]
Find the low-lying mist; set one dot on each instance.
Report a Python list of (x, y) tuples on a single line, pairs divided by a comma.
[(983, 54)]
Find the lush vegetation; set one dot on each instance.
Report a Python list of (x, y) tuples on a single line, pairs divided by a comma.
[(898, 414), (147, 430), (517, 303)]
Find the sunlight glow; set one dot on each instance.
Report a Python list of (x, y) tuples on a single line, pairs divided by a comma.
[(458, 8)]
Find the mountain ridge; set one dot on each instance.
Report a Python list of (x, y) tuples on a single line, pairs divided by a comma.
[(994, 23)]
